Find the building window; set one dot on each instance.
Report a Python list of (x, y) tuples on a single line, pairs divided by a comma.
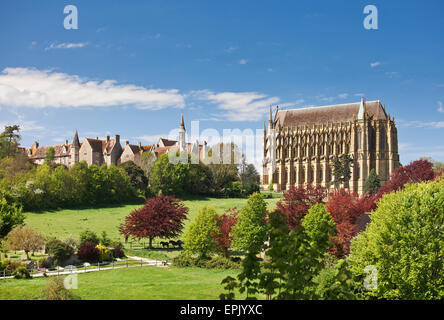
[(358, 171), (359, 136), (382, 139), (320, 174)]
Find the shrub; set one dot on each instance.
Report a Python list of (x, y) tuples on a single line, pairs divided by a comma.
[(117, 252), (89, 236), (55, 290), (46, 262), (219, 262), (59, 250), (103, 253), (88, 252), (185, 259), (22, 273), (9, 266)]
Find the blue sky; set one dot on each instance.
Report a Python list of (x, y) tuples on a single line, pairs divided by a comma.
[(132, 67)]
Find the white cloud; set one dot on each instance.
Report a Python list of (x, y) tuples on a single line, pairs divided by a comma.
[(422, 124), (66, 45), (23, 87), (440, 107), (343, 95), (243, 61), (238, 106), (231, 49), (375, 64)]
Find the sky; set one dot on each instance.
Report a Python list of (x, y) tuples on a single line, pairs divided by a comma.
[(132, 68)]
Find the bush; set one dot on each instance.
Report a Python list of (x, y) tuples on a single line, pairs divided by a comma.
[(89, 236), (88, 252), (117, 252), (22, 273), (46, 262), (55, 290), (219, 262), (9, 266), (185, 259), (59, 250), (103, 252)]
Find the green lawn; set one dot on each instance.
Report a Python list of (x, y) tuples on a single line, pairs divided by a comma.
[(71, 222), (145, 283)]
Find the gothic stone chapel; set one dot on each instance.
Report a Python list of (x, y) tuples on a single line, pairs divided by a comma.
[(300, 145)]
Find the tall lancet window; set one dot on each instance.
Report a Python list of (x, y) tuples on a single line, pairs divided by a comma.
[(382, 139), (359, 138)]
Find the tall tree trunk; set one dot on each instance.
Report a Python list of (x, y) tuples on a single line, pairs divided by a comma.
[(151, 243)]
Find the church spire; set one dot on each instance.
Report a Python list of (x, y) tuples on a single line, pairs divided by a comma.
[(361, 110), (182, 124), (75, 141)]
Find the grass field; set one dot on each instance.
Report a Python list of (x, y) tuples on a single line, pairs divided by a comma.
[(72, 222), (145, 283)]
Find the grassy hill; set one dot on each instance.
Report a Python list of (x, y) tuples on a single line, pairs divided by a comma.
[(73, 221)]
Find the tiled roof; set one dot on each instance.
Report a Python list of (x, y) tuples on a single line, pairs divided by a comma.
[(40, 152), (101, 146), (324, 114)]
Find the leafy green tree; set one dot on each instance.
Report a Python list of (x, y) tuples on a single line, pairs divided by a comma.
[(199, 237), (334, 283), (136, 175), (251, 228), (26, 239), (404, 242), (50, 155), (341, 170), (10, 216), (9, 141), (293, 258), (60, 250), (199, 179), (89, 236), (168, 178), (373, 182)]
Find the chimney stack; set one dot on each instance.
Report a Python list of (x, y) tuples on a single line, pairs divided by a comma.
[(117, 139), (107, 138)]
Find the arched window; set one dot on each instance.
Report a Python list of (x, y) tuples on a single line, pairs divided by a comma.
[(321, 176), (358, 171), (302, 175), (359, 137)]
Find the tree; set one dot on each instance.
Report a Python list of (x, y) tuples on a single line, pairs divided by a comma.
[(249, 177), (49, 156), (414, 172), (89, 236), (146, 162), (9, 141), (341, 170), (293, 258), (199, 237), (168, 178), (225, 223), (60, 250), (10, 216), (162, 216), (136, 175), (345, 207), (404, 244), (297, 201), (223, 165), (199, 179), (373, 183), (250, 230), (26, 239)]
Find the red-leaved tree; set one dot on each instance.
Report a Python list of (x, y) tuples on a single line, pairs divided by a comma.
[(225, 223), (297, 201), (345, 207), (162, 216), (414, 172)]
